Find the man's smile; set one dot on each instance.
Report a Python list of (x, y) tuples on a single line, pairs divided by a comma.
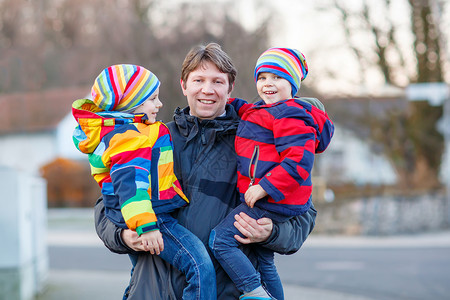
[(204, 101)]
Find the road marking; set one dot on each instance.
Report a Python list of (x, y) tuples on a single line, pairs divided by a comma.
[(340, 265)]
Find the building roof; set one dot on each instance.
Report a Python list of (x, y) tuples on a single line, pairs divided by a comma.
[(358, 113), (37, 111)]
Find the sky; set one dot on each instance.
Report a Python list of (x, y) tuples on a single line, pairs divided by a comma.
[(297, 24), (320, 37)]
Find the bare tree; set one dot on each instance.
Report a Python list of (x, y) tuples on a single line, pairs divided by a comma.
[(49, 43), (409, 138)]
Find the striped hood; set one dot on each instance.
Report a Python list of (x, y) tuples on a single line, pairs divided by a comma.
[(94, 123), (123, 87)]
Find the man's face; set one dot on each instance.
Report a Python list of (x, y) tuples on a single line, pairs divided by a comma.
[(206, 90)]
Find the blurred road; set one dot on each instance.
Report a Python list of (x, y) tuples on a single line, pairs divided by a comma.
[(335, 268)]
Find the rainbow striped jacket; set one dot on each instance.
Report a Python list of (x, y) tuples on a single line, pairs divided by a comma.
[(276, 144), (132, 161)]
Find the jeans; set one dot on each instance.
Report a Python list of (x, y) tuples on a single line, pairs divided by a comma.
[(237, 265), (185, 251)]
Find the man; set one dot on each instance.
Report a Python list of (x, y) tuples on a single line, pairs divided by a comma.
[(205, 164)]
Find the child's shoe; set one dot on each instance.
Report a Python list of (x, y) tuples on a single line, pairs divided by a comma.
[(257, 294)]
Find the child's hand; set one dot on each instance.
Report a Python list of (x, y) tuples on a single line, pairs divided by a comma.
[(253, 194), (152, 241)]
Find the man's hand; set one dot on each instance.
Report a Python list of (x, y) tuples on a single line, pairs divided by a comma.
[(253, 194), (131, 239), (255, 231), (152, 241)]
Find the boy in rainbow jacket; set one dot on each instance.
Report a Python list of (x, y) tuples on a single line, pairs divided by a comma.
[(131, 158), (276, 141)]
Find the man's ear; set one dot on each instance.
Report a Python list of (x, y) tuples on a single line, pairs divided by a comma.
[(183, 86), (231, 90)]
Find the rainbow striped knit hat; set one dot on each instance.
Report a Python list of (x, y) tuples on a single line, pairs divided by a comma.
[(123, 87), (290, 64)]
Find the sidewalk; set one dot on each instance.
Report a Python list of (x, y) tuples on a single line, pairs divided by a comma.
[(76, 285), (74, 228), (424, 240)]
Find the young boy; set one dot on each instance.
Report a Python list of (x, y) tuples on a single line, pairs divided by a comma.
[(131, 159), (276, 141)]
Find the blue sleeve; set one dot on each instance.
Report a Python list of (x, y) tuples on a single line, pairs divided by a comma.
[(240, 105)]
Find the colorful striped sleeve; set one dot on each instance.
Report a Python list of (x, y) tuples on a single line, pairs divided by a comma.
[(129, 155)]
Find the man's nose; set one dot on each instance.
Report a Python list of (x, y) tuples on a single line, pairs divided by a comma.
[(207, 88)]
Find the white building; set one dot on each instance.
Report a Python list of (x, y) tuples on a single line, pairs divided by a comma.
[(35, 128), (350, 159)]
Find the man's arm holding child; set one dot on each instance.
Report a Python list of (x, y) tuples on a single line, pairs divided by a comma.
[(111, 234), (282, 237)]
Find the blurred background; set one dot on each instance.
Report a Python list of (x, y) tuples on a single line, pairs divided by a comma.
[(381, 68)]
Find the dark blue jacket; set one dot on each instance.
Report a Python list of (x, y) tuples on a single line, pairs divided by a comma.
[(205, 164)]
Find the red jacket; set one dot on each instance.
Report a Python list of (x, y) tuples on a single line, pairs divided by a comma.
[(276, 144)]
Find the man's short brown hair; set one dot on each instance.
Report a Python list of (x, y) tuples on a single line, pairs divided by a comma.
[(213, 53)]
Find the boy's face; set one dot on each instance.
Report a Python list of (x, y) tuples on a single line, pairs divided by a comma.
[(150, 107), (206, 90), (273, 88)]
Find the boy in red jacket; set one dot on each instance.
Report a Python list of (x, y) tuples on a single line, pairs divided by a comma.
[(276, 141)]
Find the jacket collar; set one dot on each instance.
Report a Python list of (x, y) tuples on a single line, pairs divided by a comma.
[(190, 125)]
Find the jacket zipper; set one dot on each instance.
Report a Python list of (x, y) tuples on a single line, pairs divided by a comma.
[(253, 161), (203, 136)]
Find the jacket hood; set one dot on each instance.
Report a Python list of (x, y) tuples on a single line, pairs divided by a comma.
[(318, 119), (94, 123)]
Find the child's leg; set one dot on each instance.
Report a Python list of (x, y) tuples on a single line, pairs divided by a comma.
[(225, 248), (187, 253), (268, 271)]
